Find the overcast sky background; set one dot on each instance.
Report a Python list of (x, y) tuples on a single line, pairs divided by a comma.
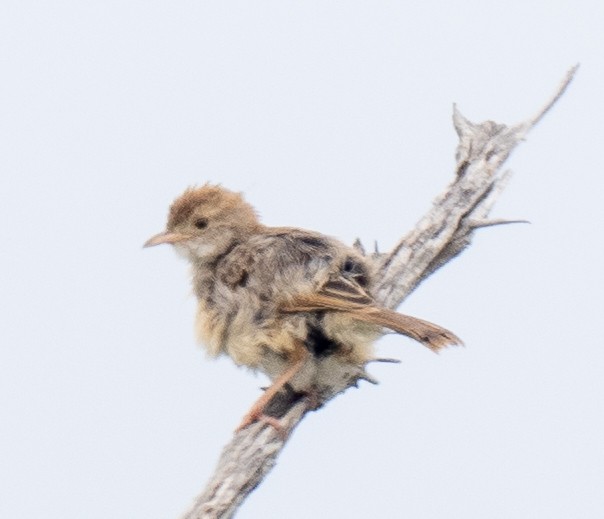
[(334, 116)]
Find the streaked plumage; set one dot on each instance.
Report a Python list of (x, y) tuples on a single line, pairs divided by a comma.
[(271, 298)]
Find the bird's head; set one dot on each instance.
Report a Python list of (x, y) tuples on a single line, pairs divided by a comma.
[(205, 222)]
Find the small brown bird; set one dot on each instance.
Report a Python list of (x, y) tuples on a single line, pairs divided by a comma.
[(279, 299)]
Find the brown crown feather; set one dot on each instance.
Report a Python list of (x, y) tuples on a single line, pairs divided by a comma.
[(213, 196)]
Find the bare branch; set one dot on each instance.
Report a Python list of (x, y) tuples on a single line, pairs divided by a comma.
[(243, 464), (479, 224), (447, 229), (443, 233), (561, 89)]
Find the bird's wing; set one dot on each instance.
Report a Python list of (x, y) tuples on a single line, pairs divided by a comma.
[(345, 295)]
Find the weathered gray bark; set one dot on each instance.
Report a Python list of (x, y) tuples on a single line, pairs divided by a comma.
[(443, 233)]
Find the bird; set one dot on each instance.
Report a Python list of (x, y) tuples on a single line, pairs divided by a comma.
[(279, 300)]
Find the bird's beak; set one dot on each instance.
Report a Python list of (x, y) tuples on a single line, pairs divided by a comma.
[(165, 237)]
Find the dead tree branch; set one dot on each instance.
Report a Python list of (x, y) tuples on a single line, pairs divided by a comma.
[(443, 233)]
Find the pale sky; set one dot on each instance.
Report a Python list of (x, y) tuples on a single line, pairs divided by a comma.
[(333, 116)]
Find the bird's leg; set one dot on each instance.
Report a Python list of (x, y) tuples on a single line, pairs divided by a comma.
[(256, 413)]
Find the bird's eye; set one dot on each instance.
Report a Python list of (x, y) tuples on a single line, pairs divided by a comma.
[(201, 223)]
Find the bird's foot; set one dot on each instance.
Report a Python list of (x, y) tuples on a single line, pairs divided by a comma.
[(258, 415)]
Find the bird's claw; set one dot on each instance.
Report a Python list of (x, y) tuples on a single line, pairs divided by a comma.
[(259, 416)]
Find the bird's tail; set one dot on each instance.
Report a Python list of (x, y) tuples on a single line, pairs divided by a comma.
[(360, 307), (430, 335)]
